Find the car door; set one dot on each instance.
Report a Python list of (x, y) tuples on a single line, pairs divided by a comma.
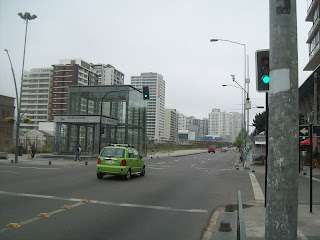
[(139, 160), (132, 161)]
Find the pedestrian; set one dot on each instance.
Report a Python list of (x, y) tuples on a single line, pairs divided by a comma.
[(77, 153), (33, 150), (20, 149), (29, 150)]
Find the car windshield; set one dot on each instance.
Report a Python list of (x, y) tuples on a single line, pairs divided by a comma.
[(113, 152)]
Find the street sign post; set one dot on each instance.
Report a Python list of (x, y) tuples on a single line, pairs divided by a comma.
[(304, 130)]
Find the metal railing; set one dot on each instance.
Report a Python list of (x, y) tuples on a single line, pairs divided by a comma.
[(241, 229)]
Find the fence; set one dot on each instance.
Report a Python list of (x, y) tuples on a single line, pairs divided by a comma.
[(42, 146)]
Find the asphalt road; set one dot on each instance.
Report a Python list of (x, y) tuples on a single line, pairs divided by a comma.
[(174, 200)]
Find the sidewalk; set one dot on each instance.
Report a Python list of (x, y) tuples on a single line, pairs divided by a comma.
[(44, 159), (254, 213)]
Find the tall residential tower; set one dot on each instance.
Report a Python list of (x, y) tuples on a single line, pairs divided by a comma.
[(155, 105)]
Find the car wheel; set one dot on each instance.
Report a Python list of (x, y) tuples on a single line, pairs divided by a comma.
[(128, 175), (100, 175), (143, 171)]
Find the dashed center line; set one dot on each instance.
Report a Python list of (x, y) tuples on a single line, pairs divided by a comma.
[(104, 202), (31, 167), (80, 202), (161, 163), (9, 171)]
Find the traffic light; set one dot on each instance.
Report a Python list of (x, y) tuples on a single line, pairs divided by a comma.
[(145, 92), (262, 69)]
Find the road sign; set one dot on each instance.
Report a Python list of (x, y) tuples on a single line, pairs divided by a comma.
[(316, 130), (304, 130)]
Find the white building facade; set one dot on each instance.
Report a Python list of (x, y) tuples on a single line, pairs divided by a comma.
[(171, 125), (107, 74), (36, 97), (224, 124), (182, 121), (155, 105)]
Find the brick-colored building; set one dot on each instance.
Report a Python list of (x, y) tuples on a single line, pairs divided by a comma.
[(6, 129), (69, 72)]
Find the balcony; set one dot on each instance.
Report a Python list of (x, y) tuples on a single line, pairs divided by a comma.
[(314, 59), (311, 9), (313, 31)]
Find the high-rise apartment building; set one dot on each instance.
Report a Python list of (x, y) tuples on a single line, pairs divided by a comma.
[(182, 124), (313, 39), (223, 124), (191, 121), (156, 103), (236, 124), (107, 74), (203, 127), (69, 72), (171, 124), (35, 97)]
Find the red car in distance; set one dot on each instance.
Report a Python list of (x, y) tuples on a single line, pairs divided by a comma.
[(211, 149)]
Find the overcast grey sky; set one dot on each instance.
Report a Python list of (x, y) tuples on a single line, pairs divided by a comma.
[(170, 37)]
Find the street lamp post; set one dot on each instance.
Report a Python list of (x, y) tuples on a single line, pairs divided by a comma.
[(245, 71), (242, 111), (244, 98), (17, 100), (101, 112), (27, 17)]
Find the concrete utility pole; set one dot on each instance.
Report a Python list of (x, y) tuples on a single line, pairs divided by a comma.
[(282, 197)]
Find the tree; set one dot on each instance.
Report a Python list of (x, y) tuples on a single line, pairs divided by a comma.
[(260, 122)]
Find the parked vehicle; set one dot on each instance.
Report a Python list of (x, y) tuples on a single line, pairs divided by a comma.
[(120, 160), (211, 149)]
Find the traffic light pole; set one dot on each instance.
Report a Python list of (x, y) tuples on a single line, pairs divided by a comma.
[(282, 197)]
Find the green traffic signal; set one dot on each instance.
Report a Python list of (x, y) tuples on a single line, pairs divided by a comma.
[(265, 78), (262, 70)]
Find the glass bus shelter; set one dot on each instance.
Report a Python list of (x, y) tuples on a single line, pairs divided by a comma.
[(122, 120)]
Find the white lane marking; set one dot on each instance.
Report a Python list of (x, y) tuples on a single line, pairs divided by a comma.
[(203, 161), (161, 163), (313, 178), (159, 166), (9, 171), (155, 168), (106, 203), (32, 168), (193, 165), (177, 160), (258, 194)]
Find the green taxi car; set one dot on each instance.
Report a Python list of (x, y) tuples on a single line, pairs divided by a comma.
[(120, 160)]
